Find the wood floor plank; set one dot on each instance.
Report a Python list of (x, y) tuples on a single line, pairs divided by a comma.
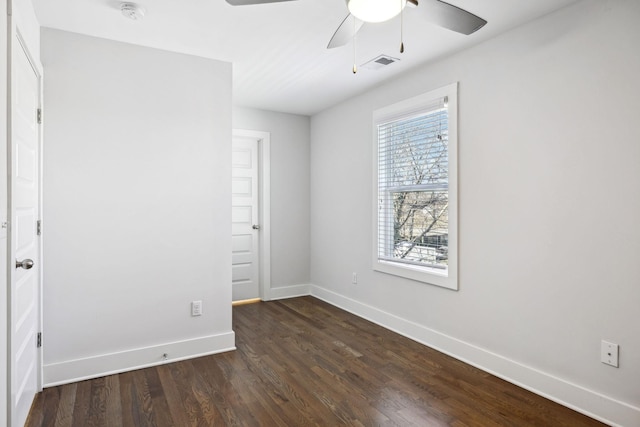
[(51, 402), (161, 410), (262, 410), (184, 377), (302, 362), (216, 397), (81, 404), (172, 396), (64, 413), (129, 404), (140, 405), (36, 413)]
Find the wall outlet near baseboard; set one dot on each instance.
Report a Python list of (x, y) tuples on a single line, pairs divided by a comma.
[(609, 353), (196, 308), (354, 278)]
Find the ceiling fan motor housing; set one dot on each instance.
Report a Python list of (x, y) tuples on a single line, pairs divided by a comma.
[(375, 10)]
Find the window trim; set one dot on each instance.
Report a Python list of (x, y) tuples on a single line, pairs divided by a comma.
[(433, 276)]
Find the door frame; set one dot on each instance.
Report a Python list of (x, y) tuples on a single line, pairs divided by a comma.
[(15, 40), (264, 206), (5, 396)]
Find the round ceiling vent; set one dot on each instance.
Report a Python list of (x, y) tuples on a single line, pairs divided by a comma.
[(132, 11)]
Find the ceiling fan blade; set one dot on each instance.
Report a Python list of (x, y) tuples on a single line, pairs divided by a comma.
[(345, 32), (451, 17), (251, 2)]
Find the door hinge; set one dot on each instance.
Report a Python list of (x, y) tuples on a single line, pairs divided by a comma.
[(39, 115), (39, 340), (39, 227)]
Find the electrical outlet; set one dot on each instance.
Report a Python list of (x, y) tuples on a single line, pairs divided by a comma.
[(354, 278), (609, 353), (196, 308)]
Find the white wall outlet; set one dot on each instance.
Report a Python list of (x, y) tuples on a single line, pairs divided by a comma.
[(196, 308), (354, 278), (609, 353)]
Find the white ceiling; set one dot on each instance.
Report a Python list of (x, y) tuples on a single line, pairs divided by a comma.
[(278, 50)]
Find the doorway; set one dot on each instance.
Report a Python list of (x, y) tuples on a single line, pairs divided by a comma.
[(250, 207)]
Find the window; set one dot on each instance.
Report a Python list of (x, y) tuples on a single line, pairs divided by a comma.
[(415, 188)]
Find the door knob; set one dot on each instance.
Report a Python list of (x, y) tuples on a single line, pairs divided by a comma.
[(255, 227), (26, 264)]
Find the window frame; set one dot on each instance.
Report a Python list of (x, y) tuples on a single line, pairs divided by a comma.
[(444, 278)]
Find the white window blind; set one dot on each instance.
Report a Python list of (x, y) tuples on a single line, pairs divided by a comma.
[(413, 193)]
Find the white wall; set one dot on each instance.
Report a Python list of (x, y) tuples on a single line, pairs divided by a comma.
[(290, 265), (137, 189), (549, 161)]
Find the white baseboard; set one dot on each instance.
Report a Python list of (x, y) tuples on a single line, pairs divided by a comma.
[(588, 402), (113, 363), (289, 292)]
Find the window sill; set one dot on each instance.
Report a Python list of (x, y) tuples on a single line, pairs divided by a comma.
[(431, 276)]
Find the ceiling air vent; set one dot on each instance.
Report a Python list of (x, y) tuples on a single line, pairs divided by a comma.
[(379, 62)]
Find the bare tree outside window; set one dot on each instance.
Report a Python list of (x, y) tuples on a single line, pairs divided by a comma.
[(413, 189)]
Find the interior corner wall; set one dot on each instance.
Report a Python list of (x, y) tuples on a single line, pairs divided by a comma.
[(549, 201), (290, 145), (137, 190)]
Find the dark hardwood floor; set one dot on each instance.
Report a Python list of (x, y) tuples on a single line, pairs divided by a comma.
[(302, 362)]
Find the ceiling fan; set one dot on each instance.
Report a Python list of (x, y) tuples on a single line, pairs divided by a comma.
[(361, 11)]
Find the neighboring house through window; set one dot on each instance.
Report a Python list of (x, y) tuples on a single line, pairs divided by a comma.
[(415, 216)]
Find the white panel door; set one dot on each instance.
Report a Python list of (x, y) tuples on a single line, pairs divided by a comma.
[(244, 218), (24, 241)]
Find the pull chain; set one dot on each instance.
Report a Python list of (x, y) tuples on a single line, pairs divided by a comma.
[(355, 68), (401, 28)]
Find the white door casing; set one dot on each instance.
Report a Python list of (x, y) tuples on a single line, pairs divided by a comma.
[(245, 219), (24, 243), (4, 220)]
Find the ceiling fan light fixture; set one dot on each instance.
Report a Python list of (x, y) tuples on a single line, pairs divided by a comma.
[(375, 10)]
